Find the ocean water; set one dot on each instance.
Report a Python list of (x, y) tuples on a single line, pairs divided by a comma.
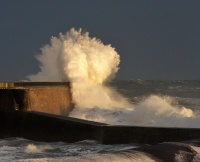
[(90, 66), (151, 103), (185, 93), (169, 96)]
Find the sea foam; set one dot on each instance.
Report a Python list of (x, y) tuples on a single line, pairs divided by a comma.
[(88, 64)]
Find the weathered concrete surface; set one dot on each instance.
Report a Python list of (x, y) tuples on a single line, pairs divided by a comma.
[(46, 127), (29, 110), (49, 127), (7, 85), (49, 97), (149, 135)]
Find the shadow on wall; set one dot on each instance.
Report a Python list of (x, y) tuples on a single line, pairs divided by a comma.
[(53, 99)]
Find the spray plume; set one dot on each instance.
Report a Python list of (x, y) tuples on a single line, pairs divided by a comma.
[(88, 64)]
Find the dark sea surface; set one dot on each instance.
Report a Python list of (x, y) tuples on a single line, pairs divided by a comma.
[(179, 94), (186, 93)]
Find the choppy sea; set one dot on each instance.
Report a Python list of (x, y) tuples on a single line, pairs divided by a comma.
[(183, 93)]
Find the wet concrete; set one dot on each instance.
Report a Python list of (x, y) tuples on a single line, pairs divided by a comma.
[(21, 115), (50, 127), (49, 97)]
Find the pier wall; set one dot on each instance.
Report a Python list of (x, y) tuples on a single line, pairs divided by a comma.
[(38, 111), (49, 97)]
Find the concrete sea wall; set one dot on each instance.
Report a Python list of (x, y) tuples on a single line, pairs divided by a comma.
[(49, 97), (38, 111)]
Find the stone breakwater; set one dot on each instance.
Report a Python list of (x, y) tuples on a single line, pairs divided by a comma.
[(39, 111)]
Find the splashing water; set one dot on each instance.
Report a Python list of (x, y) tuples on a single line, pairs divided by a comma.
[(151, 111), (88, 64), (31, 148)]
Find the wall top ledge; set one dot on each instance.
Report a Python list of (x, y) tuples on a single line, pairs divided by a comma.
[(8, 85)]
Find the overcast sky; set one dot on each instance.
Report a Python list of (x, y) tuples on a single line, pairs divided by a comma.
[(155, 39)]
